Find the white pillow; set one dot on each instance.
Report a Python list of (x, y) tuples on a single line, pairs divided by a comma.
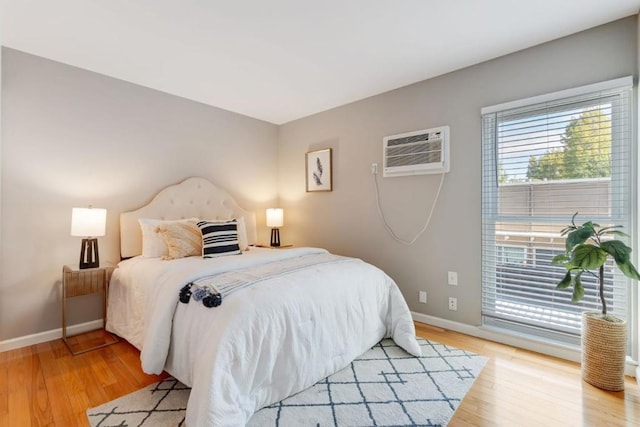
[(242, 234), (153, 243)]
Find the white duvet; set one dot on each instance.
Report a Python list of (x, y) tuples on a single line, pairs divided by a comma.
[(263, 343)]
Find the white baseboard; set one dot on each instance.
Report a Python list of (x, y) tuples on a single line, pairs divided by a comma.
[(516, 340), (51, 335)]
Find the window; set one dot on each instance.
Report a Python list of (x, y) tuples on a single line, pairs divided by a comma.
[(516, 255), (544, 159)]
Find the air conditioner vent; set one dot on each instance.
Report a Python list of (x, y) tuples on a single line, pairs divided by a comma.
[(420, 152)]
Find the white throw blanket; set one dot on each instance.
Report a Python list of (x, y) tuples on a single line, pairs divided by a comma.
[(218, 286), (270, 340)]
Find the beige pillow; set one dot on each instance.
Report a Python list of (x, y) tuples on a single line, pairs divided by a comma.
[(183, 239), (153, 243)]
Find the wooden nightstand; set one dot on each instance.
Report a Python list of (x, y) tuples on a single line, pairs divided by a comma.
[(83, 282)]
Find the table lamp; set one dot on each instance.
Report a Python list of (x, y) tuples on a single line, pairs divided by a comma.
[(275, 219), (88, 223)]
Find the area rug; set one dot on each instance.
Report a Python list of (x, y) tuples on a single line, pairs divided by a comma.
[(384, 387)]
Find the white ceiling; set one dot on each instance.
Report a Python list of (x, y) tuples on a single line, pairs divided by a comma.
[(279, 60)]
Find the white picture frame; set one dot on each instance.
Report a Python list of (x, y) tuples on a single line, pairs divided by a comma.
[(319, 170)]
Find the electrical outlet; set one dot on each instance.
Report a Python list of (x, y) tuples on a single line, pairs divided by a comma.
[(423, 297), (374, 168), (452, 278), (453, 303)]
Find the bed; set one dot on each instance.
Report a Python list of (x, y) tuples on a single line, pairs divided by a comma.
[(285, 319)]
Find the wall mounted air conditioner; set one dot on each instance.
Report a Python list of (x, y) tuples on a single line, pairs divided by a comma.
[(416, 153)]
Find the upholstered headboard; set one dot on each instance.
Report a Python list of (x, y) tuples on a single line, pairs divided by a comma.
[(192, 198)]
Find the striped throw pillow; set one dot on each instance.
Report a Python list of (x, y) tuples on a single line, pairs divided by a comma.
[(219, 238)]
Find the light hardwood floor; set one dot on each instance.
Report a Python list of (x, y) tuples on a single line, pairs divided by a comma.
[(43, 385), (522, 388)]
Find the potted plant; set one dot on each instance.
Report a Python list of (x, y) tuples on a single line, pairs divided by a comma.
[(604, 337)]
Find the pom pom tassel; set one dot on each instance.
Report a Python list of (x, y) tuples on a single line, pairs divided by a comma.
[(185, 293), (213, 300)]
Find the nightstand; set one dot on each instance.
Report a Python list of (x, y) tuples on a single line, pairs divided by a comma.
[(83, 282)]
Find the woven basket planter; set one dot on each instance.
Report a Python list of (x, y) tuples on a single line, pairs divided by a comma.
[(604, 344)]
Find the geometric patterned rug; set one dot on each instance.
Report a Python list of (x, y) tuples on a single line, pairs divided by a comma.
[(384, 387)]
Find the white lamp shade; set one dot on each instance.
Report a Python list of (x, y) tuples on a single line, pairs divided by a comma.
[(88, 222), (275, 217)]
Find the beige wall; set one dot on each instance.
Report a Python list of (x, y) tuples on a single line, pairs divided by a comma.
[(72, 138), (346, 220)]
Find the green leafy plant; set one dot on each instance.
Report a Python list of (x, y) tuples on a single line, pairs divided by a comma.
[(588, 247)]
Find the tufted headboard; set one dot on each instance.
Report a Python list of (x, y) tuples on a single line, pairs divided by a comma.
[(192, 198)]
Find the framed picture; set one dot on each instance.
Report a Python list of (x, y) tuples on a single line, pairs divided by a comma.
[(319, 170)]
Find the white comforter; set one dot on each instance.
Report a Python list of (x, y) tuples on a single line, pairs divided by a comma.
[(263, 343)]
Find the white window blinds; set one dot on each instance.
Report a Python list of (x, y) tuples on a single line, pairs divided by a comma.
[(545, 159)]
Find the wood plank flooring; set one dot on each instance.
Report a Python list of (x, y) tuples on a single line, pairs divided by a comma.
[(43, 385), (522, 388)]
